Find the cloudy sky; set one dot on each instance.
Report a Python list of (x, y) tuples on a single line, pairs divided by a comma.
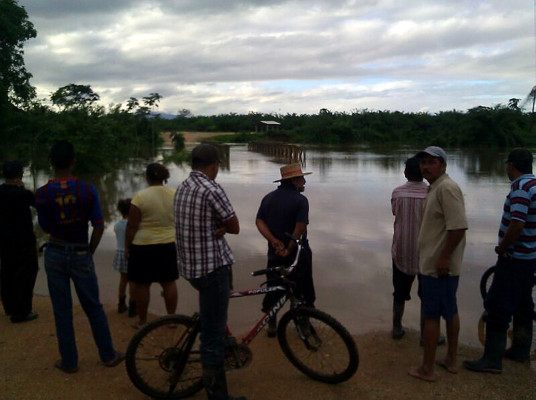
[(287, 56)]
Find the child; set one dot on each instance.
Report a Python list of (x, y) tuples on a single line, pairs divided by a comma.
[(120, 264)]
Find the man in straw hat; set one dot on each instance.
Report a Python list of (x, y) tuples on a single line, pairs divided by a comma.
[(286, 210)]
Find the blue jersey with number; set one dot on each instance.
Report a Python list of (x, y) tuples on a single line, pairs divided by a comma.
[(66, 206)]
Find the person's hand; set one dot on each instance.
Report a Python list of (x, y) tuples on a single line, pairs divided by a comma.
[(277, 245), (443, 266), (284, 252), (218, 233)]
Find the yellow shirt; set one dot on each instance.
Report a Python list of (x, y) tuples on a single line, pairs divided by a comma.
[(444, 210), (157, 223)]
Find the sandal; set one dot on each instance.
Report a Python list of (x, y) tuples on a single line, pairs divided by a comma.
[(58, 364), (119, 357)]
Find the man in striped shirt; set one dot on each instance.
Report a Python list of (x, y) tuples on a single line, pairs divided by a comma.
[(407, 203), (203, 215), (510, 294)]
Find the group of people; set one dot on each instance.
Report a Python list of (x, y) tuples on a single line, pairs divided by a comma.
[(165, 233), (429, 241), (162, 234)]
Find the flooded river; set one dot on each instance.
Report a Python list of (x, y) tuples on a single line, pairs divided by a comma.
[(350, 231)]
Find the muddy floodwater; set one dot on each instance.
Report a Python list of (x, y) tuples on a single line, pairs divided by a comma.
[(350, 231)]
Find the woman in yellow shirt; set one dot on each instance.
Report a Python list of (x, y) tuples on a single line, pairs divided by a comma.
[(150, 242)]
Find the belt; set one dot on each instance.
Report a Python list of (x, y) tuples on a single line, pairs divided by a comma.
[(68, 246)]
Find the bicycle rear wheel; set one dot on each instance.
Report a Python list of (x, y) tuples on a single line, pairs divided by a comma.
[(486, 280), (163, 359), (318, 345)]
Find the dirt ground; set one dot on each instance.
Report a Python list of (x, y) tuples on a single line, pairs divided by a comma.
[(28, 352), (195, 137)]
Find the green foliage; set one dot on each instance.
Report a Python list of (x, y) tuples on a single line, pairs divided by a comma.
[(74, 96), (15, 30), (178, 141)]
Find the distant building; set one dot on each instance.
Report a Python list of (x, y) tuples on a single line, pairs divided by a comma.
[(267, 126)]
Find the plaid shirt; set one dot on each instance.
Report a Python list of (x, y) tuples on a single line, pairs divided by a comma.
[(201, 206)]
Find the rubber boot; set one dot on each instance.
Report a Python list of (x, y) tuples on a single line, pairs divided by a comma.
[(440, 340), (398, 311), (215, 384), (122, 305), (491, 361), (521, 341), (132, 310)]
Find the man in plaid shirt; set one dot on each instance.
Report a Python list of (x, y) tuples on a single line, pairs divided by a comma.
[(203, 215)]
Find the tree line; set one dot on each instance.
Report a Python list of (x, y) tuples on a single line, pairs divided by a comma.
[(104, 136), (498, 126)]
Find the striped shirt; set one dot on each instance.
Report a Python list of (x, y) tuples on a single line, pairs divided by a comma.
[(201, 206), (520, 205), (66, 206), (407, 204)]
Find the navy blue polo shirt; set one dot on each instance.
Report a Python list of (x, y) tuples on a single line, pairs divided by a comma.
[(281, 210)]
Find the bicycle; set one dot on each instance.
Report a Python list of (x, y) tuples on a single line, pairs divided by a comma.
[(485, 283), (163, 357)]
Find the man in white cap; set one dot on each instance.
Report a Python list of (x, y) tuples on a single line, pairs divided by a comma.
[(441, 243), (286, 210)]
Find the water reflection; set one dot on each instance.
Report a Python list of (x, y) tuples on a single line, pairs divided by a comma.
[(350, 224)]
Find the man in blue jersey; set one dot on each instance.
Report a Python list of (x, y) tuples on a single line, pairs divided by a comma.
[(510, 294), (65, 206)]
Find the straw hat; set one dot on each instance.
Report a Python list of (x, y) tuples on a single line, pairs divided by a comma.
[(291, 171)]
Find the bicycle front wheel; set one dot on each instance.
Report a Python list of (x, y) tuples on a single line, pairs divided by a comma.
[(163, 359), (318, 345)]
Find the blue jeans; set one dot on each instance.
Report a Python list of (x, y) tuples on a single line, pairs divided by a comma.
[(62, 266), (213, 303), (510, 293)]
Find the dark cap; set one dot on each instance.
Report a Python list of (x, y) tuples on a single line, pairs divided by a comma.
[(204, 154), (522, 159), (13, 169)]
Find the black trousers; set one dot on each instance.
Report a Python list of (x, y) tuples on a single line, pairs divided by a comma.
[(302, 278), (18, 271)]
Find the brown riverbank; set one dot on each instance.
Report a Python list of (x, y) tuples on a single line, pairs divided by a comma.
[(28, 352)]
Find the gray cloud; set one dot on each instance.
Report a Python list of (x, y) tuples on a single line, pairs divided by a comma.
[(286, 56)]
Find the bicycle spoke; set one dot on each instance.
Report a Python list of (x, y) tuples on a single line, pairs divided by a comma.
[(318, 345), (156, 359)]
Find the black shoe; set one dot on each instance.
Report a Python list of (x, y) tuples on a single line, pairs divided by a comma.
[(483, 365), (398, 333), (28, 317), (58, 364), (118, 359)]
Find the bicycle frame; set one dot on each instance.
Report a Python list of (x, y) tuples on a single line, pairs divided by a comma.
[(266, 317), (272, 312)]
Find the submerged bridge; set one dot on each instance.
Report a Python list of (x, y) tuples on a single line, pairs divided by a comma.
[(284, 152)]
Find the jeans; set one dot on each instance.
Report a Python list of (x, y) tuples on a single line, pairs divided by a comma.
[(510, 293), (63, 265), (302, 277), (213, 303)]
